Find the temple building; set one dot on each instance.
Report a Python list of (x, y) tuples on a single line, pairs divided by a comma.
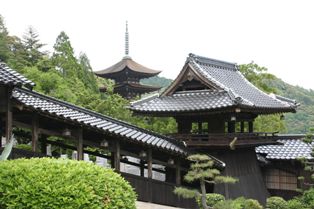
[(215, 107), (127, 75)]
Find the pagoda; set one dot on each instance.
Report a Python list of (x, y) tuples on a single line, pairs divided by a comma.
[(127, 75), (215, 106)]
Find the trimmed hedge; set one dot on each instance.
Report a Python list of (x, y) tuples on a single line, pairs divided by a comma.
[(57, 183), (276, 203)]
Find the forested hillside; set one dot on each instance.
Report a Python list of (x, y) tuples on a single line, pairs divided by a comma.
[(63, 75)]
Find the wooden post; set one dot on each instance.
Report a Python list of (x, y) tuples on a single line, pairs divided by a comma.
[(80, 151), (142, 169), (35, 133), (43, 145), (250, 126), (9, 117), (115, 156), (242, 126), (200, 127), (231, 127), (178, 172), (149, 164)]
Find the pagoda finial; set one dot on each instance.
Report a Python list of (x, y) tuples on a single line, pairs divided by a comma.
[(126, 40)]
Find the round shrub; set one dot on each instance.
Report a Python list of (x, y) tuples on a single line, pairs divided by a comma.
[(211, 199), (276, 203), (252, 204), (58, 183)]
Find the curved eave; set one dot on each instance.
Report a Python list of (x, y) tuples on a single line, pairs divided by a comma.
[(129, 64)]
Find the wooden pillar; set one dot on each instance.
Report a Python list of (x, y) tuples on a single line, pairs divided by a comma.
[(231, 127), (9, 117), (178, 173), (242, 126), (115, 156), (149, 164), (80, 151), (43, 145), (184, 125), (200, 127), (142, 169), (250, 126), (35, 133)]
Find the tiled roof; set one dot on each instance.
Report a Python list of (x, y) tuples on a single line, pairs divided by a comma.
[(57, 108), (290, 149), (130, 64), (186, 101), (11, 77), (220, 76)]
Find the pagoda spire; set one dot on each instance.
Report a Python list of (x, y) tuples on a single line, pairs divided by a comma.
[(126, 40)]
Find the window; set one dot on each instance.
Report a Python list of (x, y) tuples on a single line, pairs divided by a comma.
[(279, 179)]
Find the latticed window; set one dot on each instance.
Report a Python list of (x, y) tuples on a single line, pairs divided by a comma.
[(279, 179)]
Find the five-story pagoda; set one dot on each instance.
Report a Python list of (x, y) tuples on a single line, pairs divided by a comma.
[(215, 107)]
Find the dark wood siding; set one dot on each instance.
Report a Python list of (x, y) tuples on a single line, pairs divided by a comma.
[(157, 192), (242, 164)]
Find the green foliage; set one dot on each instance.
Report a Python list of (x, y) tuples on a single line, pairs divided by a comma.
[(239, 203), (276, 203), (24, 147), (186, 193), (211, 199), (56, 183)]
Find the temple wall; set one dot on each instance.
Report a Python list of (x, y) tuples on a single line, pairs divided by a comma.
[(242, 164)]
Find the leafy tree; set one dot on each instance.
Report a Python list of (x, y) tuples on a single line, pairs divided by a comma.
[(202, 170), (4, 49)]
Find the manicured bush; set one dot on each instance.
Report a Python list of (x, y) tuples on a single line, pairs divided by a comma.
[(276, 203), (296, 204), (58, 183), (211, 199), (252, 204)]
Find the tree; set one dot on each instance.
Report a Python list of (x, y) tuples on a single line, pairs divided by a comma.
[(4, 47), (32, 45), (202, 170)]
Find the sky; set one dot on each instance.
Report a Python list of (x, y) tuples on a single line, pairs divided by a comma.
[(276, 34)]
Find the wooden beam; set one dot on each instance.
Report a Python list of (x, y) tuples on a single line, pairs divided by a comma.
[(80, 151), (149, 163), (178, 172), (116, 155), (35, 133)]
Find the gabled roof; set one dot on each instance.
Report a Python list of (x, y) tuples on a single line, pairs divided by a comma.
[(217, 76), (289, 149), (13, 78), (126, 62), (56, 108)]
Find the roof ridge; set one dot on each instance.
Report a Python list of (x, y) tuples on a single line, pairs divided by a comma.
[(93, 113), (215, 62)]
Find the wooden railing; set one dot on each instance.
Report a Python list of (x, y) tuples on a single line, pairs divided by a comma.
[(224, 139), (21, 153), (158, 192)]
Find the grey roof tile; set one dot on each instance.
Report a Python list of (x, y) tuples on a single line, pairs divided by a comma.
[(86, 117), (289, 149), (11, 77), (231, 88)]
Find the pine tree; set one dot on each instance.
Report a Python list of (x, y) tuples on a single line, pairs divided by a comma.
[(32, 45), (202, 170), (4, 47)]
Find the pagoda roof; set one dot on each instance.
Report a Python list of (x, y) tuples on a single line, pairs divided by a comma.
[(11, 77), (224, 86), (126, 62)]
